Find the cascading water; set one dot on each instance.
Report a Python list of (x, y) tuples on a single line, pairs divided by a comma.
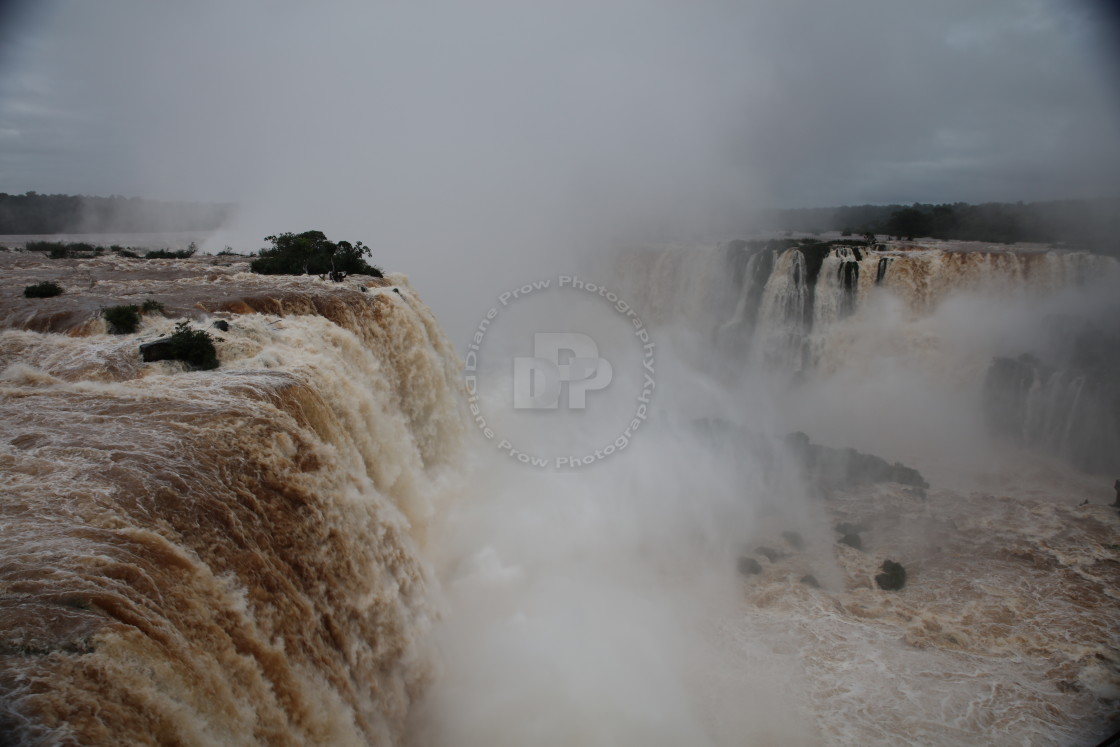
[(223, 557), (811, 308)]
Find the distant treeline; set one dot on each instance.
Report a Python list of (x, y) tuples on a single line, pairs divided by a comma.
[(1094, 223), (33, 213)]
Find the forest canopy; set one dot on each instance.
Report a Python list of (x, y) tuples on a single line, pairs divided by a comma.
[(33, 213), (1094, 224)]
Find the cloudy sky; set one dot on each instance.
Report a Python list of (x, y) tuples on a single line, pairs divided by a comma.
[(389, 115)]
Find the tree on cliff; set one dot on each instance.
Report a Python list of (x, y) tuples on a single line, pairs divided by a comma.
[(311, 253)]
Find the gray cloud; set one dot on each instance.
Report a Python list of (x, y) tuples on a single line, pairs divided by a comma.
[(529, 127)]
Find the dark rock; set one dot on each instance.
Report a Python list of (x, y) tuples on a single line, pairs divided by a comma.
[(845, 527), (893, 576), (770, 554), (749, 566), (222, 324), (794, 539), (158, 350), (810, 580), (397, 291), (851, 539)]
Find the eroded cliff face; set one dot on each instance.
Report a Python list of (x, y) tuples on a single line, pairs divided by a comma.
[(230, 556)]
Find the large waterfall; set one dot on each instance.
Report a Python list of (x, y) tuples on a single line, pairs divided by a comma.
[(221, 557), (806, 311)]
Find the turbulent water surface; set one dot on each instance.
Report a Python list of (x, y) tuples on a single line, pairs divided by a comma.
[(310, 545), (218, 557)]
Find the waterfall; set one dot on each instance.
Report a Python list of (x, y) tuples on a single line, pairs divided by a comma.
[(798, 310), (233, 556)]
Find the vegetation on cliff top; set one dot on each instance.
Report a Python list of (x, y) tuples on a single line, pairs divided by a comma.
[(311, 253), (1093, 223)]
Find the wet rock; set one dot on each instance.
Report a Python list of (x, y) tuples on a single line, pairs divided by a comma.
[(851, 539), (770, 554), (749, 566), (811, 581), (893, 576), (845, 527), (221, 324), (158, 350), (794, 539)]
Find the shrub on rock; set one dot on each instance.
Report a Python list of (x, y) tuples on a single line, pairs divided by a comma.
[(42, 290), (195, 347), (122, 320), (311, 253)]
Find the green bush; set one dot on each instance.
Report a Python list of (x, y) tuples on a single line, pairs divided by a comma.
[(310, 253), (122, 320), (63, 250), (44, 246), (194, 346), (169, 254), (128, 253), (46, 289), (151, 306)]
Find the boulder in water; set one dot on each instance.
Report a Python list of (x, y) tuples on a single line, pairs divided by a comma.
[(749, 566), (811, 581), (158, 350), (893, 576), (794, 539), (770, 554), (851, 539)]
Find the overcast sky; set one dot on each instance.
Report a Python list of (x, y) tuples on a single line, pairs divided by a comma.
[(388, 115)]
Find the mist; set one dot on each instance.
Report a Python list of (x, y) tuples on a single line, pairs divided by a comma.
[(449, 137)]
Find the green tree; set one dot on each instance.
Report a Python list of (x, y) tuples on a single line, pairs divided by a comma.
[(311, 253)]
